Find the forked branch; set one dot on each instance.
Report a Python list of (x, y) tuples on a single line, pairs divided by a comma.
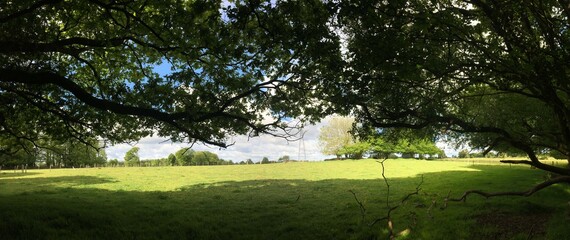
[(388, 216), (362, 208)]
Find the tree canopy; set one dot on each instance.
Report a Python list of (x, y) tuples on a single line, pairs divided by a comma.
[(132, 157), (336, 135), (491, 73), (91, 69)]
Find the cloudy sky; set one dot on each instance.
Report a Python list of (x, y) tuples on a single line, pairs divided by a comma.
[(243, 149)]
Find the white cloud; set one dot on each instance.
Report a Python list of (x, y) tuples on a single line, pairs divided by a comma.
[(243, 148), (449, 150)]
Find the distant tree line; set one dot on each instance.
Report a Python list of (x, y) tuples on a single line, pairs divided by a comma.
[(61, 154), (474, 153), (338, 138), (182, 157), (76, 154)]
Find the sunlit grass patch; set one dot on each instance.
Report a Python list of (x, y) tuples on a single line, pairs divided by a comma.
[(273, 201)]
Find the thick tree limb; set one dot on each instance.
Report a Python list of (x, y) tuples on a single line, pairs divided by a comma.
[(526, 193), (518, 162), (43, 78), (536, 162), (175, 119)]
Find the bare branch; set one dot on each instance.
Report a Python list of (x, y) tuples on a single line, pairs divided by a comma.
[(526, 193), (362, 209), (388, 216), (385, 181)]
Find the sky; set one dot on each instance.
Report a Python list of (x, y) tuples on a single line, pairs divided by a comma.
[(243, 149)]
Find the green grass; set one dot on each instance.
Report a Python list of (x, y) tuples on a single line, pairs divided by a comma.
[(276, 201)]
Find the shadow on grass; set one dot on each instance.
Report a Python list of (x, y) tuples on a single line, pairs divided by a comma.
[(267, 209), (50, 183), (11, 174)]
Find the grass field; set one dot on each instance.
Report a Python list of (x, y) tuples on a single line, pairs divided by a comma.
[(278, 201)]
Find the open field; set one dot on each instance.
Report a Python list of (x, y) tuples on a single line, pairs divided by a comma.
[(278, 201)]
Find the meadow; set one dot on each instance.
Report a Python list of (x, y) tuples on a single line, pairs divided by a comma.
[(310, 200)]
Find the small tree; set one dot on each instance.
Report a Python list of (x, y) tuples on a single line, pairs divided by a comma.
[(336, 135), (284, 158), (184, 156), (171, 159), (355, 150), (200, 158), (265, 160), (212, 158), (132, 157), (463, 154), (113, 162)]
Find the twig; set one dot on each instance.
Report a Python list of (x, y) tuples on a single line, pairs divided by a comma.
[(445, 200), (388, 216), (362, 209), (418, 188), (530, 233), (433, 203), (385, 181)]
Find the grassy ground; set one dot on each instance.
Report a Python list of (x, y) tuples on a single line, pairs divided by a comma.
[(278, 201)]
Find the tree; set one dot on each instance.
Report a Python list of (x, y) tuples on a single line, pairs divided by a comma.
[(265, 160), (113, 162), (490, 73), (424, 147), (355, 150), (381, 148), (205, 158), (132, 157), (184, 157), (284, 158), (101, 157), (13, 156), (91, 69), (463, 154), (171, 160), (213, 158), (336, 135)]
